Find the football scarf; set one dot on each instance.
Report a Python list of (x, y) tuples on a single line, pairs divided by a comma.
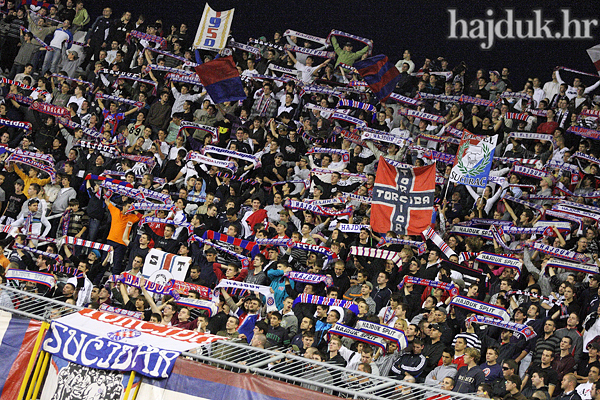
[(354, 334), (376, 253), (264, 290), (523, 329), (450, 287), (439, 242), (231, 153), (251, 247), (384, 332), (195, 156), (313, 279), (571, 266), (480, 307), (42, 278), (421, 246), (148, 37), (118, 99), (120, 311), (560, 253), (325, 301), (300, 205), (15, 124)]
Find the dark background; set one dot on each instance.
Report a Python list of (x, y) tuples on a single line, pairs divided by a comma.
[(420, 26)]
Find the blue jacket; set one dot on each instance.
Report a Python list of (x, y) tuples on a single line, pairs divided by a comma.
[(278, 285)]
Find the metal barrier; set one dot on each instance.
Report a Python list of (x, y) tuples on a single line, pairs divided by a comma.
[(278, 364)]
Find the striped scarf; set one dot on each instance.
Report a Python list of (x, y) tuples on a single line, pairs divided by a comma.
[(512, 160), (208, 306), (326, 251), (88, 243), (584, 132), (237, 178), (185, 288), (205, 128), (325, 301), (439, 242), (500, 261), (55, 257), (243, 259), (356, 104), (305, 36), (450, 287), (251, 247), (122, 190), (149, 161), (23, 86), (480, 307), (148, 37), (19, 98), (579, 213), (422, 115), (118, 99), (37, 39), (523, 202), (15, 124), (578, 267), (120, 311), (150, 207), (65, 220), (440, 97), (365, 41), (187, 62), (190, 79), (105, 178), (517, 116), (132, 280), (498, 233), (176, 71), (347, 118), (376, 253), (160, 181), (249, 287), (359, 198), (403, 99), (151, 194), (572, 204), (311, 52), (552, 301), (313, 279)]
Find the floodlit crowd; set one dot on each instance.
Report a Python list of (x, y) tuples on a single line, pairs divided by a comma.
[(253, 165)]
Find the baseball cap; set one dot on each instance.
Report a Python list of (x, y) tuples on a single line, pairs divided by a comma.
[(278, 155), (436, 327), (319, 187), (595, 345), (96, 253), (282, 223), (495, 73), (304, 158), (369, 284)]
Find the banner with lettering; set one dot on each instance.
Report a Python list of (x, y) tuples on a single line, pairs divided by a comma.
[(213, 29), (473, 160)]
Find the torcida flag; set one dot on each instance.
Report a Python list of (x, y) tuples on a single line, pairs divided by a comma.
[(221, 80), (402, 198)]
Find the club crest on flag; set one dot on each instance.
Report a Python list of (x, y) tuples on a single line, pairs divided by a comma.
[(473, 160), (123, 334), (402, 198)]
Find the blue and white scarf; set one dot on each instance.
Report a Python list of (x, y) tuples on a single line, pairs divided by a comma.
[(480, 307)]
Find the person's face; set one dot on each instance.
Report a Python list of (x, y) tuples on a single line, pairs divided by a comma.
[(366, 358), (565, 343), (546, 357), (490, 356), (593, 374), (231, 324)]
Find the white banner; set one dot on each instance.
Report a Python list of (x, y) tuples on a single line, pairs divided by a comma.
[(213, 29)]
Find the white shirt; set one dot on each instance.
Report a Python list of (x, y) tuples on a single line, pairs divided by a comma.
[(85, 294)]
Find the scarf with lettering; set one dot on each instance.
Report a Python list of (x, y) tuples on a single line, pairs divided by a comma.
[(151, 194), (356, 104), (195, 156), (231, 153), (361, 199), (450, 287), (577, 267), (530, 172), (376, 253), (429, 233), (50, 109), (403, 99), (500, 261), (480, 307), (245, 47), (37, 39), (568, 217), (251, 247), (105, 178), (365, 41), (305, 36), (23, 86), (74, 125), (321, 109), (79, 81), (148, 37), (326, 251), (422, 115), (515, 95), (325, 301), (42, 278), (421, 246), (560, 253), (149, 207), (573, 169), (550, 300), (317, 170), (65, 220), (343, 153), (120, 311), (470, 231), (439, 97), (327, 202), (384, 332), (277, 68), (132, 280), (15, 124), (347, 118), (516, 230), (357, 83), (313, 279), (19, 98), (122, 190), (439, 156), (191, 79), (55, 257), (579, 213), (573, 204), (354, 334), (129, 76), (512, 160), (106, 148), (523, 329), (210, 307), (349, 228), (160, 181), (590, 113), (21, 158), (498, 235), (250, 287), (587, 157), (187, 62), (300, 205), (578, 72), (475, 100), (584, 132), (118, 99), (205, 128), (311, 52), (383, 137)]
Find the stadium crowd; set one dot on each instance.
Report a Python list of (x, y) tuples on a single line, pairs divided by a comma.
[(284, 147)]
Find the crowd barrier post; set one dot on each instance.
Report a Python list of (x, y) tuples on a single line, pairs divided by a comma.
[(38, 341)]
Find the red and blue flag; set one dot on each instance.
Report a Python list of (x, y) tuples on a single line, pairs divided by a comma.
[(221, 80), (380, 74)]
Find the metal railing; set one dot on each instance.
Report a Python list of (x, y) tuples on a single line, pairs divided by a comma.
[(278, 364)]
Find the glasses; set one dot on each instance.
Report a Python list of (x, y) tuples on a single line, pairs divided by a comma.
[(505, 368)]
